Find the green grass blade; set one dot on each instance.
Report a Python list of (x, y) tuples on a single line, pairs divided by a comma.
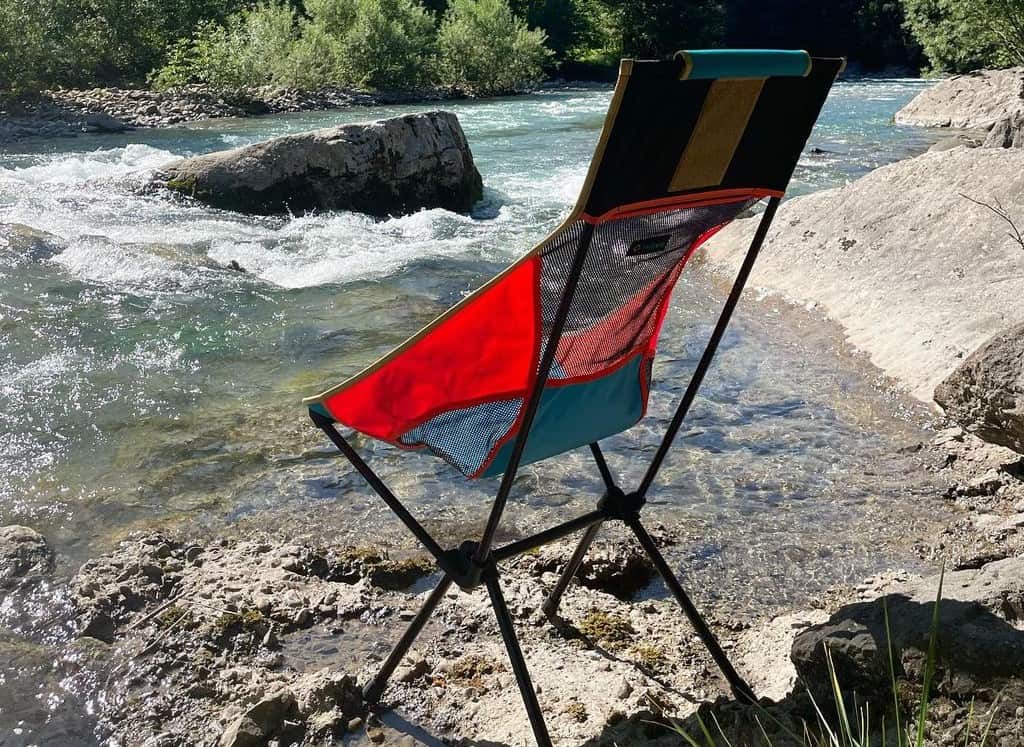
[(837, 694), (832, 738), (707, 732), (767, 739), (970, 716), (720, 731), (892, 675), (991, 718), (929, 667)]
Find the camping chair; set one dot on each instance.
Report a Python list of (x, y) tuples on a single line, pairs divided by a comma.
[(556, 352)]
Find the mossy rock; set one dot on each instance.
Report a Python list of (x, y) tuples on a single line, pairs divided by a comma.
[(608, 629)]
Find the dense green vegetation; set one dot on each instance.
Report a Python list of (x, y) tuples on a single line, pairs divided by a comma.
[(480, 46), (962, 35)]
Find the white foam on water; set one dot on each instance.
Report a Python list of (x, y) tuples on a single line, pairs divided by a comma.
[(345, 247), (82, 167), (99, 260)]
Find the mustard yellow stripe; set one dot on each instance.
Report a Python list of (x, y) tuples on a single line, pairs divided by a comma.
[(723, 120)]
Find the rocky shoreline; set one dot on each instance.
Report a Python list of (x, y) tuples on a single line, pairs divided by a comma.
[(70, 112), (253, 639)]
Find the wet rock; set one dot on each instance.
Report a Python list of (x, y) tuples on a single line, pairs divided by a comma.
[(980, 644), (23, 553), (100, 626), (389, 167), (29, 243), (985, 393)]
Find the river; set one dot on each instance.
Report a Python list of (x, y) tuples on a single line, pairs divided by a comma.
[(144, 382)]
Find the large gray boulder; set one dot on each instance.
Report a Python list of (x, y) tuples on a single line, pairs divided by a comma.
[(979, 644), (985, 393), (976, 100), (390, 167)]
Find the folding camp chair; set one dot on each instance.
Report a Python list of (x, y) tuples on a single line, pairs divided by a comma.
[(555, 353)]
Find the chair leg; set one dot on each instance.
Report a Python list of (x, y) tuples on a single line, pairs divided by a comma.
[(373, 691), (515, 655), (550, 606), (740, 689)]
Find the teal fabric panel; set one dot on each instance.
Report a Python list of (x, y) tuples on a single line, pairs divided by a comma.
[(577, 414), (747, 63), (320, 410)]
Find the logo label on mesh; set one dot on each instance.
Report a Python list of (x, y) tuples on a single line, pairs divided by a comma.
[(650, 245)]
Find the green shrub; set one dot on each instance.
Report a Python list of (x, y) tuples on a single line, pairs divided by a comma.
[(389, 44), (484, 49), (964, 35), (251, 48)]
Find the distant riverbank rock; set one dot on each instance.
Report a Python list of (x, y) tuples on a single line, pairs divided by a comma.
[(981, 646), (917, 275), (1008, 132), (388, 167), (976, 100), (24, 553), (68, 112), (985, 394)]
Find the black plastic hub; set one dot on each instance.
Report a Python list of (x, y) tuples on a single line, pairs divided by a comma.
[(462, 567), (620, 506)]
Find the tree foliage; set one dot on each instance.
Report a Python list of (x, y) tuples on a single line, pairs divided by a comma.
[(483, 48), (963, 35)]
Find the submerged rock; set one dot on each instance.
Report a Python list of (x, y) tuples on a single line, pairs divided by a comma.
[(985, 394), (24, 553), (28, 243), (388, 167), (966, 101)]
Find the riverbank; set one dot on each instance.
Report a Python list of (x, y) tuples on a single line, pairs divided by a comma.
[(70, 112)]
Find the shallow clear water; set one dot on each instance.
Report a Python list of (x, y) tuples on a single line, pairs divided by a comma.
[(142, 382)]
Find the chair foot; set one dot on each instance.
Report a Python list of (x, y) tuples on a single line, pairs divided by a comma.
[(554, 599), (373, 691), (740, 689), (515, 655)]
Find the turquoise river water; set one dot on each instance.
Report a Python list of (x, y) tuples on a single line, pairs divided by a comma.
[(144, 383)]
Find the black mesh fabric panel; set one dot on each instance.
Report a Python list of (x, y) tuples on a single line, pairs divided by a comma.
[(631, 265)]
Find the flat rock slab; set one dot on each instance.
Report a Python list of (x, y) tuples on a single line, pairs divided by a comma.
[(977, 100), (389, 167), (917, 275)]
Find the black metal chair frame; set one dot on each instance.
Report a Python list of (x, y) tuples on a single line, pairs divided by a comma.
[(474, 563)]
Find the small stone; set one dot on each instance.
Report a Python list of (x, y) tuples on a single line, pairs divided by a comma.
[(354, 724), (414, 667), (624, 690), (376, 735)]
